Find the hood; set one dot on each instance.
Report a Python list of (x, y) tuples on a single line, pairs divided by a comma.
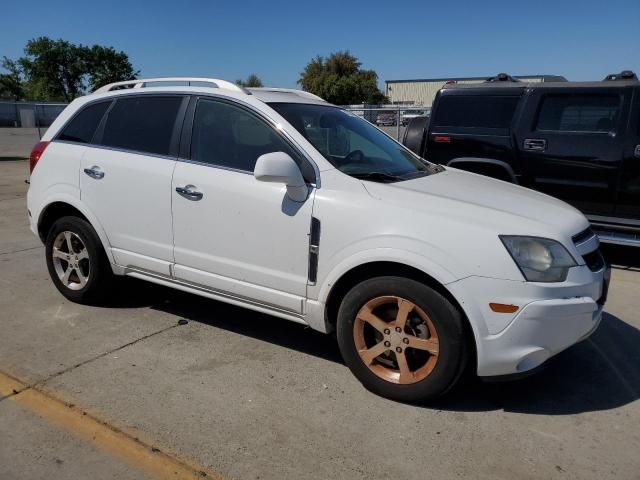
[(510, 208)]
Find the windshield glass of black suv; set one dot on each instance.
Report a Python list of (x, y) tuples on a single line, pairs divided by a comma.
[(352, 144)]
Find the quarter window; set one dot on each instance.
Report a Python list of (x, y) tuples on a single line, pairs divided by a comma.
[(579, 113), (142, 124), (475, 111), (229, 136), (83, 126)]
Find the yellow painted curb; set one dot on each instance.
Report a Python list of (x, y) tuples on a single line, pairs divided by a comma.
[(101, 434)]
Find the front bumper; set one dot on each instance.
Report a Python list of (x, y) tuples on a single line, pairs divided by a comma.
[(541, 330), (551, 318)]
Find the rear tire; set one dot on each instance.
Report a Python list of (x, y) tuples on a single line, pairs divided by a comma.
[(402, 339), (76, 261)]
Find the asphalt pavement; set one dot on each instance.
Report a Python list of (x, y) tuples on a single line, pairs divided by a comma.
[(130, 391)]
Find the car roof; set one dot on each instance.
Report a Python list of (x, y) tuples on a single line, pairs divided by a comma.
[(209, 86), (523, 85), (285, 95)]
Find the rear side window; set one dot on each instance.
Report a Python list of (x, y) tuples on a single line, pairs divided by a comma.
[(475, 111), (142, 124), (230, 136), (579, 113), (83, 126)]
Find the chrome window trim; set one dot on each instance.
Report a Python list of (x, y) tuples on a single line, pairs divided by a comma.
[(115, 149), (213, 165)]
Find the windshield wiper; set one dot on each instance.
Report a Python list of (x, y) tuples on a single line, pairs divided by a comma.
[(378, 176)]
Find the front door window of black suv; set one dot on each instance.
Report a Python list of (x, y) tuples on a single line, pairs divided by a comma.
[(352, 144)]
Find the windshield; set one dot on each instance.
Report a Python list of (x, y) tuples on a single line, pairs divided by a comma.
[(352, 144)]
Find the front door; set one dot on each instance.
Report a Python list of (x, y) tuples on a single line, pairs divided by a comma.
[(571, 145), (242, 238)]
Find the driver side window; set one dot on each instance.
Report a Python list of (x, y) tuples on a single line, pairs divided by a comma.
[(229, 136)]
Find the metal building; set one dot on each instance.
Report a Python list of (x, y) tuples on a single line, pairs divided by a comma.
[(423, 91)]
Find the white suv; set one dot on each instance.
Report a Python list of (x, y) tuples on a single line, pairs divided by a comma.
[(279, 202)]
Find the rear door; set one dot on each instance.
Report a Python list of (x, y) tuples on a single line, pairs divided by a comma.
[(125, 178), (570, 143)]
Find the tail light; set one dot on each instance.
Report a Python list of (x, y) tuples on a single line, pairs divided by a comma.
[(36, 153)]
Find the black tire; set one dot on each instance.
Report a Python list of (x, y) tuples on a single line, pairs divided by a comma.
[(99, 275), (454, 345)]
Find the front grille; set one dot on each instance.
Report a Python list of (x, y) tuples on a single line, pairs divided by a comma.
[(594, 261), (583, 236)]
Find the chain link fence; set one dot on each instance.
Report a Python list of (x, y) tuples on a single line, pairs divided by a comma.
[(392, 119)]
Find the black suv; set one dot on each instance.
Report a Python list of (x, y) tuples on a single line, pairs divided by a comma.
[(577, 141)]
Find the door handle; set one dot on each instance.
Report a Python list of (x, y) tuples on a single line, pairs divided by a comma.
[(94, 172), (535, 144), (189, 192)]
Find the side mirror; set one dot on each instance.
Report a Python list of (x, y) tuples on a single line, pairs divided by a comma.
[(278, 167)]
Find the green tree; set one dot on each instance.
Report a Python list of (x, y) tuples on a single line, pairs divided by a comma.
[(60, 70), (11, 83), (106, 65), (340, 80), (55, 69), (252, 81)]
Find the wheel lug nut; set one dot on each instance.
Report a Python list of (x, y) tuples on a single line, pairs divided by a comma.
[(405, 340), (398, 329), (387, 331), (398, 349), (387, 344)]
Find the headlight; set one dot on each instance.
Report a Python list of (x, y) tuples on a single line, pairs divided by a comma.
[(539, 259)]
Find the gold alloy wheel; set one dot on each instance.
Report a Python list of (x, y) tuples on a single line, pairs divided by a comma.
[(396, 340)]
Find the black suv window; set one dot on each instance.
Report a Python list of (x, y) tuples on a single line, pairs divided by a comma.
[(84, 124), (142, 124), (479, 111), (230, 136), (579, 113)]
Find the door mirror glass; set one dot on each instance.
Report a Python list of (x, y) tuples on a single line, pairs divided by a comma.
[(279, 167)]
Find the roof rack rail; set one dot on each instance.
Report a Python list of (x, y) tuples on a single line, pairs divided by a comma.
[(301, 93), (502, 77), (143, 82), (623, 75)]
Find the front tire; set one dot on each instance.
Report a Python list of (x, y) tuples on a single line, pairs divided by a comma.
[(402, 339), (76, 261)]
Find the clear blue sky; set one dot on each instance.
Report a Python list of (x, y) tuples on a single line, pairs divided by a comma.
[(580, 39)]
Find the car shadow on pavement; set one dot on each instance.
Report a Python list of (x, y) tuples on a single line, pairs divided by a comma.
[(600, 373), (137, 293)]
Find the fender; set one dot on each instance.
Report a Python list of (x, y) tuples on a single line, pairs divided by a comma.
[(409, 258), (486, 161), (315, 309), (70, 199)]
